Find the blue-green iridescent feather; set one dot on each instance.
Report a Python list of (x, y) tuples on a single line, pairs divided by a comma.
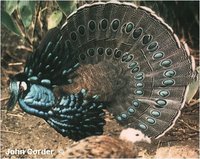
[(76, 115)]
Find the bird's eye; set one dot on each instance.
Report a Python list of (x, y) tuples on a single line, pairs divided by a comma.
[(8, 81)]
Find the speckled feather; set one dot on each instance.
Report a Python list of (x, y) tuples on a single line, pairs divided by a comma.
[(100, 147)]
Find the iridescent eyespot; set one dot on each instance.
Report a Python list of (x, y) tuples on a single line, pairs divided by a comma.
[(115, 24)]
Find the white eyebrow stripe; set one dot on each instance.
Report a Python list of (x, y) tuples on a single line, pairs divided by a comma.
[(24, 85)]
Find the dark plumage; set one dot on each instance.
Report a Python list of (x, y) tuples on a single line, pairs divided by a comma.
[(126, 55)]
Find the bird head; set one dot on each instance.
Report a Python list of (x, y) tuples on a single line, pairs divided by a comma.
[(18, 85)]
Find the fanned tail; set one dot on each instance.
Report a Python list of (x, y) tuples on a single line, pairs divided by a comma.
[(140, 57)]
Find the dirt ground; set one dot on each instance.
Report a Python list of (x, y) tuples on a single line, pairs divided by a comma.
[(22, 131)]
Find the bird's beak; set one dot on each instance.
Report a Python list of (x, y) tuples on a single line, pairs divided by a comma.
[(14, 92)]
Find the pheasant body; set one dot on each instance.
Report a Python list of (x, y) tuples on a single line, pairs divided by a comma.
[(100, 147), (122, 53)]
